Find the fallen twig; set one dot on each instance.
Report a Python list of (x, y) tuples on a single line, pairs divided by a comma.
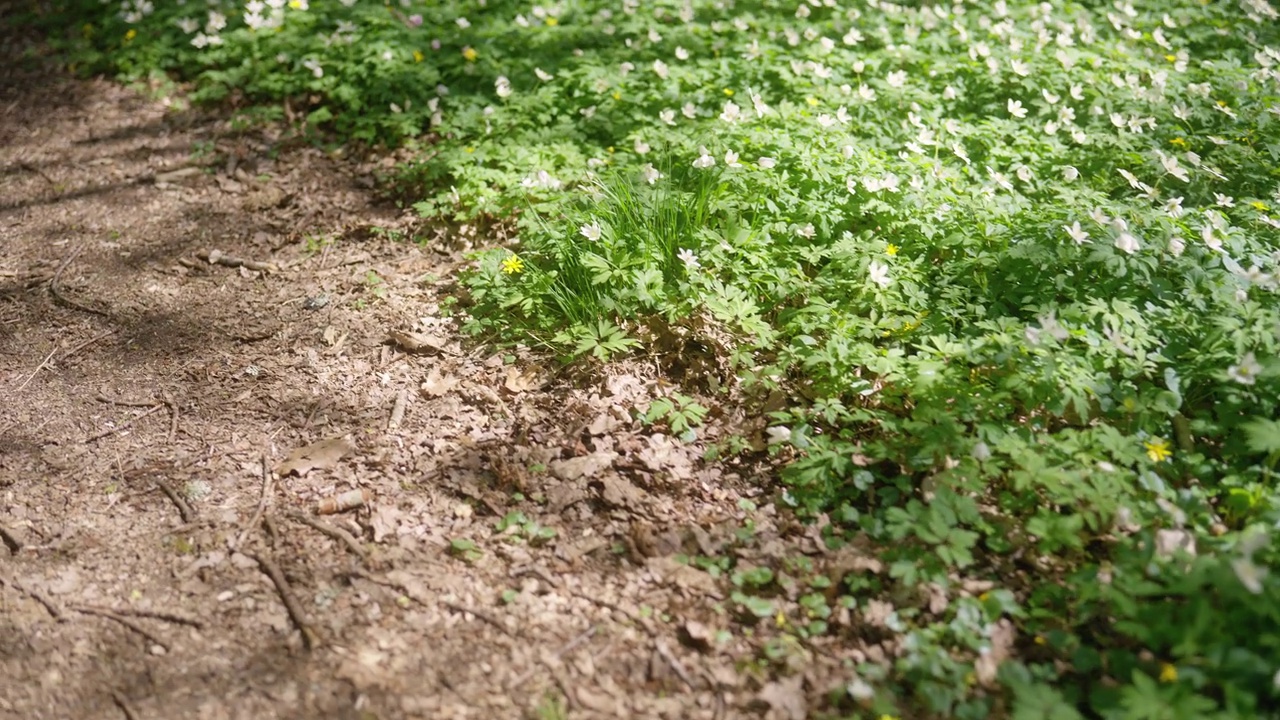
[(173, 411), (397, 410), (56, 291), (456, 607), (643, 622), (36, 595), (262, 502), (139, 612), (674, 662), (123, 426), (184, 510), (29, 167), (459, 608), (217, 257), (286, 596), (124, 706), (336, 533), (111, 615), (85, 343), (565, 650), (35, 372), (103, 397)]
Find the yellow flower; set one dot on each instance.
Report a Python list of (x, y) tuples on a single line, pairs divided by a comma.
[(552, 22), (1178, 141), (470, 54), (891, 250), (1040, 640), (1171, 58), (617, 94), (1259, 205), (728, 92), (469, 149), (512, 265), (418, 56), (295, 4), (813, 101), (887, 716), (1168, 673), (130, 35), (1158, 449)]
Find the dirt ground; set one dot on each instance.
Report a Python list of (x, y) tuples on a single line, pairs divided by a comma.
[(160, 476)]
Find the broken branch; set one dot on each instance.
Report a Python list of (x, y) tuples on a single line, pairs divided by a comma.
[(286, 596), (217, 257)]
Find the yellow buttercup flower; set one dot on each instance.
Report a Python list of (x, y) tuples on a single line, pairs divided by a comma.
[(1158, 449), (813, 101), (418, 56), (470, 54), (130, 35), (728, 92), (891, 250), (1168, 673), (512, 265), (552, 22), (1259, 205)]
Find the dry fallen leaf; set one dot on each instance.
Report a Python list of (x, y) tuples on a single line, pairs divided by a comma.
[(438, 384), (619, 492), (384, 522), (584, 466), (519, 381), (417, 342), (318, 455), (696, 635), (785, 698)]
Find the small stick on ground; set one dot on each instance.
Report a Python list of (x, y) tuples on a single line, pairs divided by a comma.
[(173, 411), (124, 425), (85, 343), (124, 705), (35, 372), (11, 541), (104, 613), (535, 570), (36, 595), (104, 398), (674, 662), (397, 410), (56, 291), (336, 533), (262, 502), (643, 622), (456, 607), (486, 617), (138, 612), (286, 596), (217, 257), (31, 168), (565, 650), (184, 510)]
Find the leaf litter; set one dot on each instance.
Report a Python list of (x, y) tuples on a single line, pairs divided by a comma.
[(488, 442)]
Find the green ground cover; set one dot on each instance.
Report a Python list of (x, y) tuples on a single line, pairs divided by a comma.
[(1015, 266)]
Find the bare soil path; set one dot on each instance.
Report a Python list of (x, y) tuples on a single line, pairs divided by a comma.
[(162, 554)]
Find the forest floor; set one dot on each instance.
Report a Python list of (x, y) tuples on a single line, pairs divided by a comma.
[(170, 424)]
